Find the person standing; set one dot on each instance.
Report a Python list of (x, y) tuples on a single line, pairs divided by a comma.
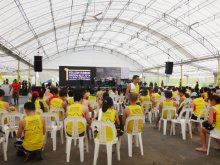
[(133, 87), (15, 87)]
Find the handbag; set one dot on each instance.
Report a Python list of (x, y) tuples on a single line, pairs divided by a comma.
[(208, 126)]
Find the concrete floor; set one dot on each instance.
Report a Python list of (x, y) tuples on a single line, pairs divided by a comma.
[(158, 150)]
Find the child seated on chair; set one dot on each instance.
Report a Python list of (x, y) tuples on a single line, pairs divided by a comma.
[(168, 102), (3, 105), (133, 110), (33, 129), (211, 126)]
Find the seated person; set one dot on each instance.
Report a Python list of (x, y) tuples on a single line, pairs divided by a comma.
[(214, 120), (132, 110), (145, 96), (109, 114), (33, 129), (35, 99), (3, 105), (92, 96), (41, 98), (197, 105), (70, 98), (86, 102), (168, 102), (78, 110)]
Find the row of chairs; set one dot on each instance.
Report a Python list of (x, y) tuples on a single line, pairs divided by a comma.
[(9, 123)]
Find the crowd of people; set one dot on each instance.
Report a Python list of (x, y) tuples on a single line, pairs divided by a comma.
[(78, 103)]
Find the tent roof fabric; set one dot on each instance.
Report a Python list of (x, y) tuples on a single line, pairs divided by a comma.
[(148, 32)]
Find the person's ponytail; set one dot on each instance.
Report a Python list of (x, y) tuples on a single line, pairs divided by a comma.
[(107, 103)]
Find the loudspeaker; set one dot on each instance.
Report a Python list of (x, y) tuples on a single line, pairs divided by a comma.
[(169, 68), (38, 63)]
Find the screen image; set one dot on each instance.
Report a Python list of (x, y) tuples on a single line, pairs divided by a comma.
[(72, 74), (76, 76)]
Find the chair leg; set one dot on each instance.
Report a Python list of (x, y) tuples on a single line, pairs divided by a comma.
[(209, 142), (136, 141), (54, 138), (118, 150), (87, 144), (190, 129), (61, 134), (141, 143), (183, 130), (4, 150), (150, 117), (68, 148), (81, 149), (174, 129), (129, 145), (164, 127), (171, 129), (159, 125), (6, 139), (96, 153), (109, 153)]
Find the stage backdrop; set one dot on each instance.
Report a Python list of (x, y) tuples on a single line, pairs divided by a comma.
[(75, 76)]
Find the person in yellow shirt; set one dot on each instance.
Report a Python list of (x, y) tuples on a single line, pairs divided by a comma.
[(33, 129), (70, 98), (145, 96), (3, 105), (92, 96), (41, 98), (168, 102), (35, 99), (59, 101), (213, 120), (78, 110), (197, 105), (133, 110)]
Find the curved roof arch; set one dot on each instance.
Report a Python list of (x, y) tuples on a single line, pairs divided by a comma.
[(148, 29)]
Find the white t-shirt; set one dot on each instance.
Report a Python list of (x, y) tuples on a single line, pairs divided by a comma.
[(6, 88)]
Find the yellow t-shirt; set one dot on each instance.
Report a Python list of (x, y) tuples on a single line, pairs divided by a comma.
[(70, 100), (57, 103), (109, 115), (145, 98), (33, 133), (168, 104), (2, 105), (75, 111), (92, 98), (199, 104), (135, 110), (217, 122)]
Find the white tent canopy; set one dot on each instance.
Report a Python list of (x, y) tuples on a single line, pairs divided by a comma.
[(146, 33)]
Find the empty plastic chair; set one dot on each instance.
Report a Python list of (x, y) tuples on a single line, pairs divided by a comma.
[(183, 119), (104, 139), (215, 135), (52, 124), (136, 131)]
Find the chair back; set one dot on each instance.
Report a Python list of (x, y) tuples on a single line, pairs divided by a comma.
[(51, 119), (171, 113), (177, 98), (21, 108), (75, 123), (39, 111), (59, 111), (46, 108), (203, 111), (146, 105), (11, 119), (2, 112), (136, 120), (185, 114), (101, 126)]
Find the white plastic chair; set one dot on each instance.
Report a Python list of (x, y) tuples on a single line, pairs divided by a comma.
[(4, 146), (75, 136), (138, 135), (183, 121), (147, 106), (39, 111), (199, 120), (46, 107), (21, 108), (155, 110), (212, 135), (11, 125), (58, 111), (102, 140), (52, 123), (169, 117), (2, 112)]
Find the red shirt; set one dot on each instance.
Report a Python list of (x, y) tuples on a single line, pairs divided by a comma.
[(15, 87)]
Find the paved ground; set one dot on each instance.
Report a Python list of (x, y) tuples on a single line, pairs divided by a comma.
[(158, 150)]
